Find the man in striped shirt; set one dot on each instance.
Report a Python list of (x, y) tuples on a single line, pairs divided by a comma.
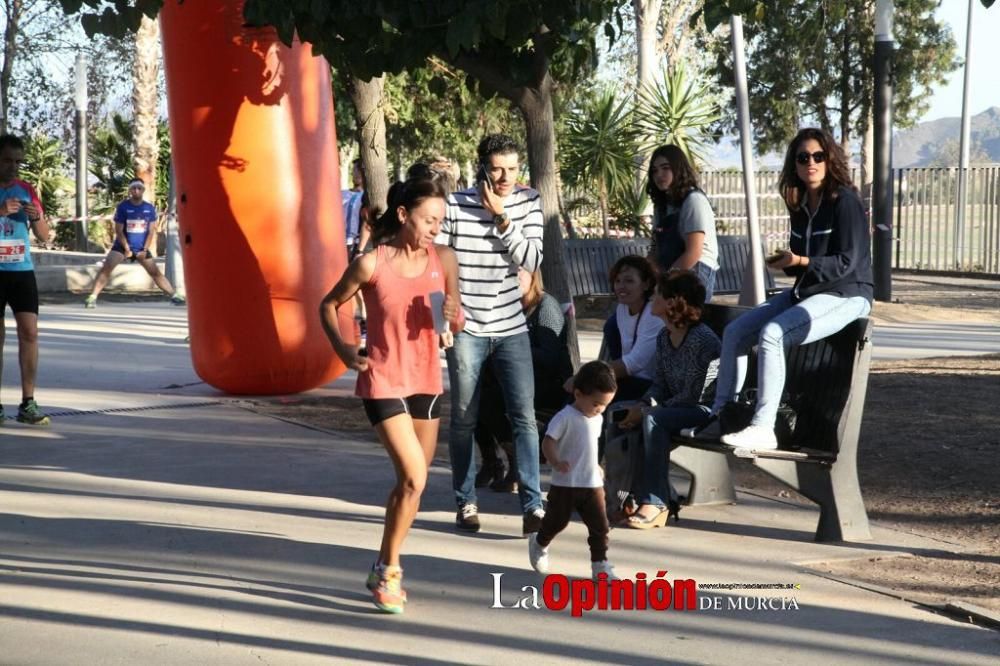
[(494, 228)]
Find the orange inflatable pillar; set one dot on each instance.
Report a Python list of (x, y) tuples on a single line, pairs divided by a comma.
[(255, 159)]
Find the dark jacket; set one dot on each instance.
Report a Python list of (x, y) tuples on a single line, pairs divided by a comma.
[(549, 352), (837, 240)]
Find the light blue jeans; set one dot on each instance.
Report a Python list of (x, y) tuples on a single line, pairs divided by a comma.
[(511, 359), (776, 326)]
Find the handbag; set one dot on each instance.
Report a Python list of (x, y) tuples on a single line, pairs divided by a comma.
[(736, 416)]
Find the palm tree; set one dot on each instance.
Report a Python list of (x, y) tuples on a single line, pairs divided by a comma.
[(598, 146), (677, 110), (45, 168), (110, 162), (145, 103)]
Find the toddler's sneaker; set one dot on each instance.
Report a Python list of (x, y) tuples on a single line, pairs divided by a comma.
[(532, 521), (538, 555), (467, 518), (602, 567), (177, 299), (752, 437), (90, 302), (388, 595), (29, 413)]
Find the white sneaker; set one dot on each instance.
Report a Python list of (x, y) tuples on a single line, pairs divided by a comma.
[(752, 437), (602, 567), (539, 556)]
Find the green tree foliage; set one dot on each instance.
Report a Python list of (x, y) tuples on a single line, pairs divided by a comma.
[(42, 46), (603, 131), (111, 164), (598, 146), (812, 62), (433, 109), (46, 169), (680, 110), (716, 12)]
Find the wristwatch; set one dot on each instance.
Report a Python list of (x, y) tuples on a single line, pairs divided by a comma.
[(501, 220)]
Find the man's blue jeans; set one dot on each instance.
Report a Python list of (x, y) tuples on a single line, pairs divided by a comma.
[(511, 359), (776, 326)]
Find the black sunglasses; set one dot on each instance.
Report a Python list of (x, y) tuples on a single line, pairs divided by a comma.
[(818, 157)]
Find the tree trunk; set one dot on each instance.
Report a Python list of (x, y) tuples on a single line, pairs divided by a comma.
[(145, 103), (370, 116), (566, 219), (602, 202), (535, 105), (647, 14), (15, 9)]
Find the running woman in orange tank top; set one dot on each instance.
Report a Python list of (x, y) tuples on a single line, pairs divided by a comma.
[(399, 374)]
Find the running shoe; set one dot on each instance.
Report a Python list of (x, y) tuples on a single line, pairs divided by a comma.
[(388, 595), (29, 413)]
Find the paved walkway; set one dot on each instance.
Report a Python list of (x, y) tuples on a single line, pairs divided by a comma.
[(167, 525)]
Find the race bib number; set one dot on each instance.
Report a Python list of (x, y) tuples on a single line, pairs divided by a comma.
[(135, 226), (11, 251)]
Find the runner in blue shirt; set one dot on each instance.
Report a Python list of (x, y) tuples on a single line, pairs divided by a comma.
[(20, 209), (134, 234)]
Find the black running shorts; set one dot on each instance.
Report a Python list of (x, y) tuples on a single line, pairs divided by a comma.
[(420, 407), (19, 289)]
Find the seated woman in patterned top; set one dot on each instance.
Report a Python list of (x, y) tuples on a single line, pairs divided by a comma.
[(687, 353)]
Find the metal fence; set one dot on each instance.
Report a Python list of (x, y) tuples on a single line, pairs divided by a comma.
[(926, 233)]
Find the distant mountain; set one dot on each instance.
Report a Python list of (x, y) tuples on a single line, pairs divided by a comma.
[(935, 143)]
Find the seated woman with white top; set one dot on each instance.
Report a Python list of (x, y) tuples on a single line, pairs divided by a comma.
[(630, 333)]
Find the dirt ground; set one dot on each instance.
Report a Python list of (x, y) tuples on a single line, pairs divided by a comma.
[(929, 459)]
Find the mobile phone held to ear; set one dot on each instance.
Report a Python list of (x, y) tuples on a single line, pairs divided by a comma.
[(483, 175)]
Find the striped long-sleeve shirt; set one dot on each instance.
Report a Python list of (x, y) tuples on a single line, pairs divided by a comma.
[(488, 260)]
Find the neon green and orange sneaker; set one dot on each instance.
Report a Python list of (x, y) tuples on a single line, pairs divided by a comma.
[(387, 592)]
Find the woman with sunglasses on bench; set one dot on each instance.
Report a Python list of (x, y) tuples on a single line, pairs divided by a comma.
[(829, 255)]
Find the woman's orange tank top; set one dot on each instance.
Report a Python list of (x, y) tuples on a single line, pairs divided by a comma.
[(403, 355)]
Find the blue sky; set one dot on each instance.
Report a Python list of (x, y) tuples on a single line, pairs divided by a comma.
[(985, 87)]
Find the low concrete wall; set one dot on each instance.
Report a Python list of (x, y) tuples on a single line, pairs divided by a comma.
[(58, 271), (64, 258)]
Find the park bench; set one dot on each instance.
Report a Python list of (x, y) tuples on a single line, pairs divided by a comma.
[(590, 260), (826, 383)]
